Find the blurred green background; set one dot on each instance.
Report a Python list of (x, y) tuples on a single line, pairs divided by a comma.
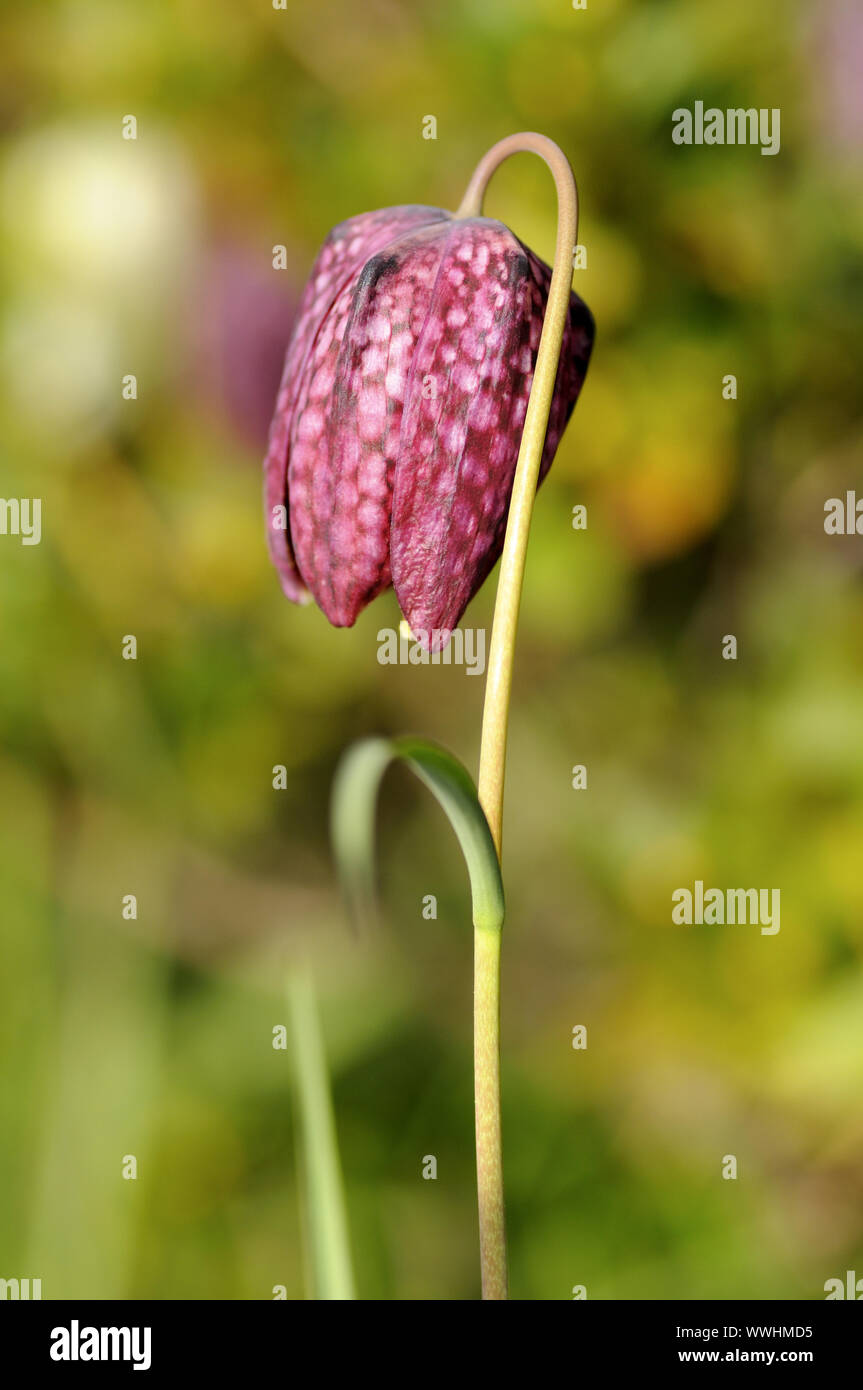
[(153, 1037)]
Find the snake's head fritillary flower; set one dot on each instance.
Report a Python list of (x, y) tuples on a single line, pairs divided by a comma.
[(397, 427)]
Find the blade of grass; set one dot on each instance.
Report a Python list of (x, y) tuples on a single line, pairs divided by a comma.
[(325, 1214)]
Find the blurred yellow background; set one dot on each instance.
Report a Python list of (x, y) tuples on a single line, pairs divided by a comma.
[(152, 1037)]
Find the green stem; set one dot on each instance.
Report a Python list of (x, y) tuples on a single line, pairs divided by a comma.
[(325, 1213), (492, 763), (489, 1150)]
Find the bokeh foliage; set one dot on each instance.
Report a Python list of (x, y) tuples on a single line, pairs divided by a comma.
[(260, 127)]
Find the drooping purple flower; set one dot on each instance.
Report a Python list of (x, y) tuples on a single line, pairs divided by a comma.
[(398, 421)]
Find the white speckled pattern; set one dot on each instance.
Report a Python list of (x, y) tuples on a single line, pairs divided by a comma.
[(339, 261)]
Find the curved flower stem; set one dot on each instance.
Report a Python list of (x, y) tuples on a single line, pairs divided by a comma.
[(492, 763), (502, 650)]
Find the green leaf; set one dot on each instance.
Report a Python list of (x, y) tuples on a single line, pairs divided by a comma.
[(354, 800)]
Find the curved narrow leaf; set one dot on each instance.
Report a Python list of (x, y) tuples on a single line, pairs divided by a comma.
[(353, 821)]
